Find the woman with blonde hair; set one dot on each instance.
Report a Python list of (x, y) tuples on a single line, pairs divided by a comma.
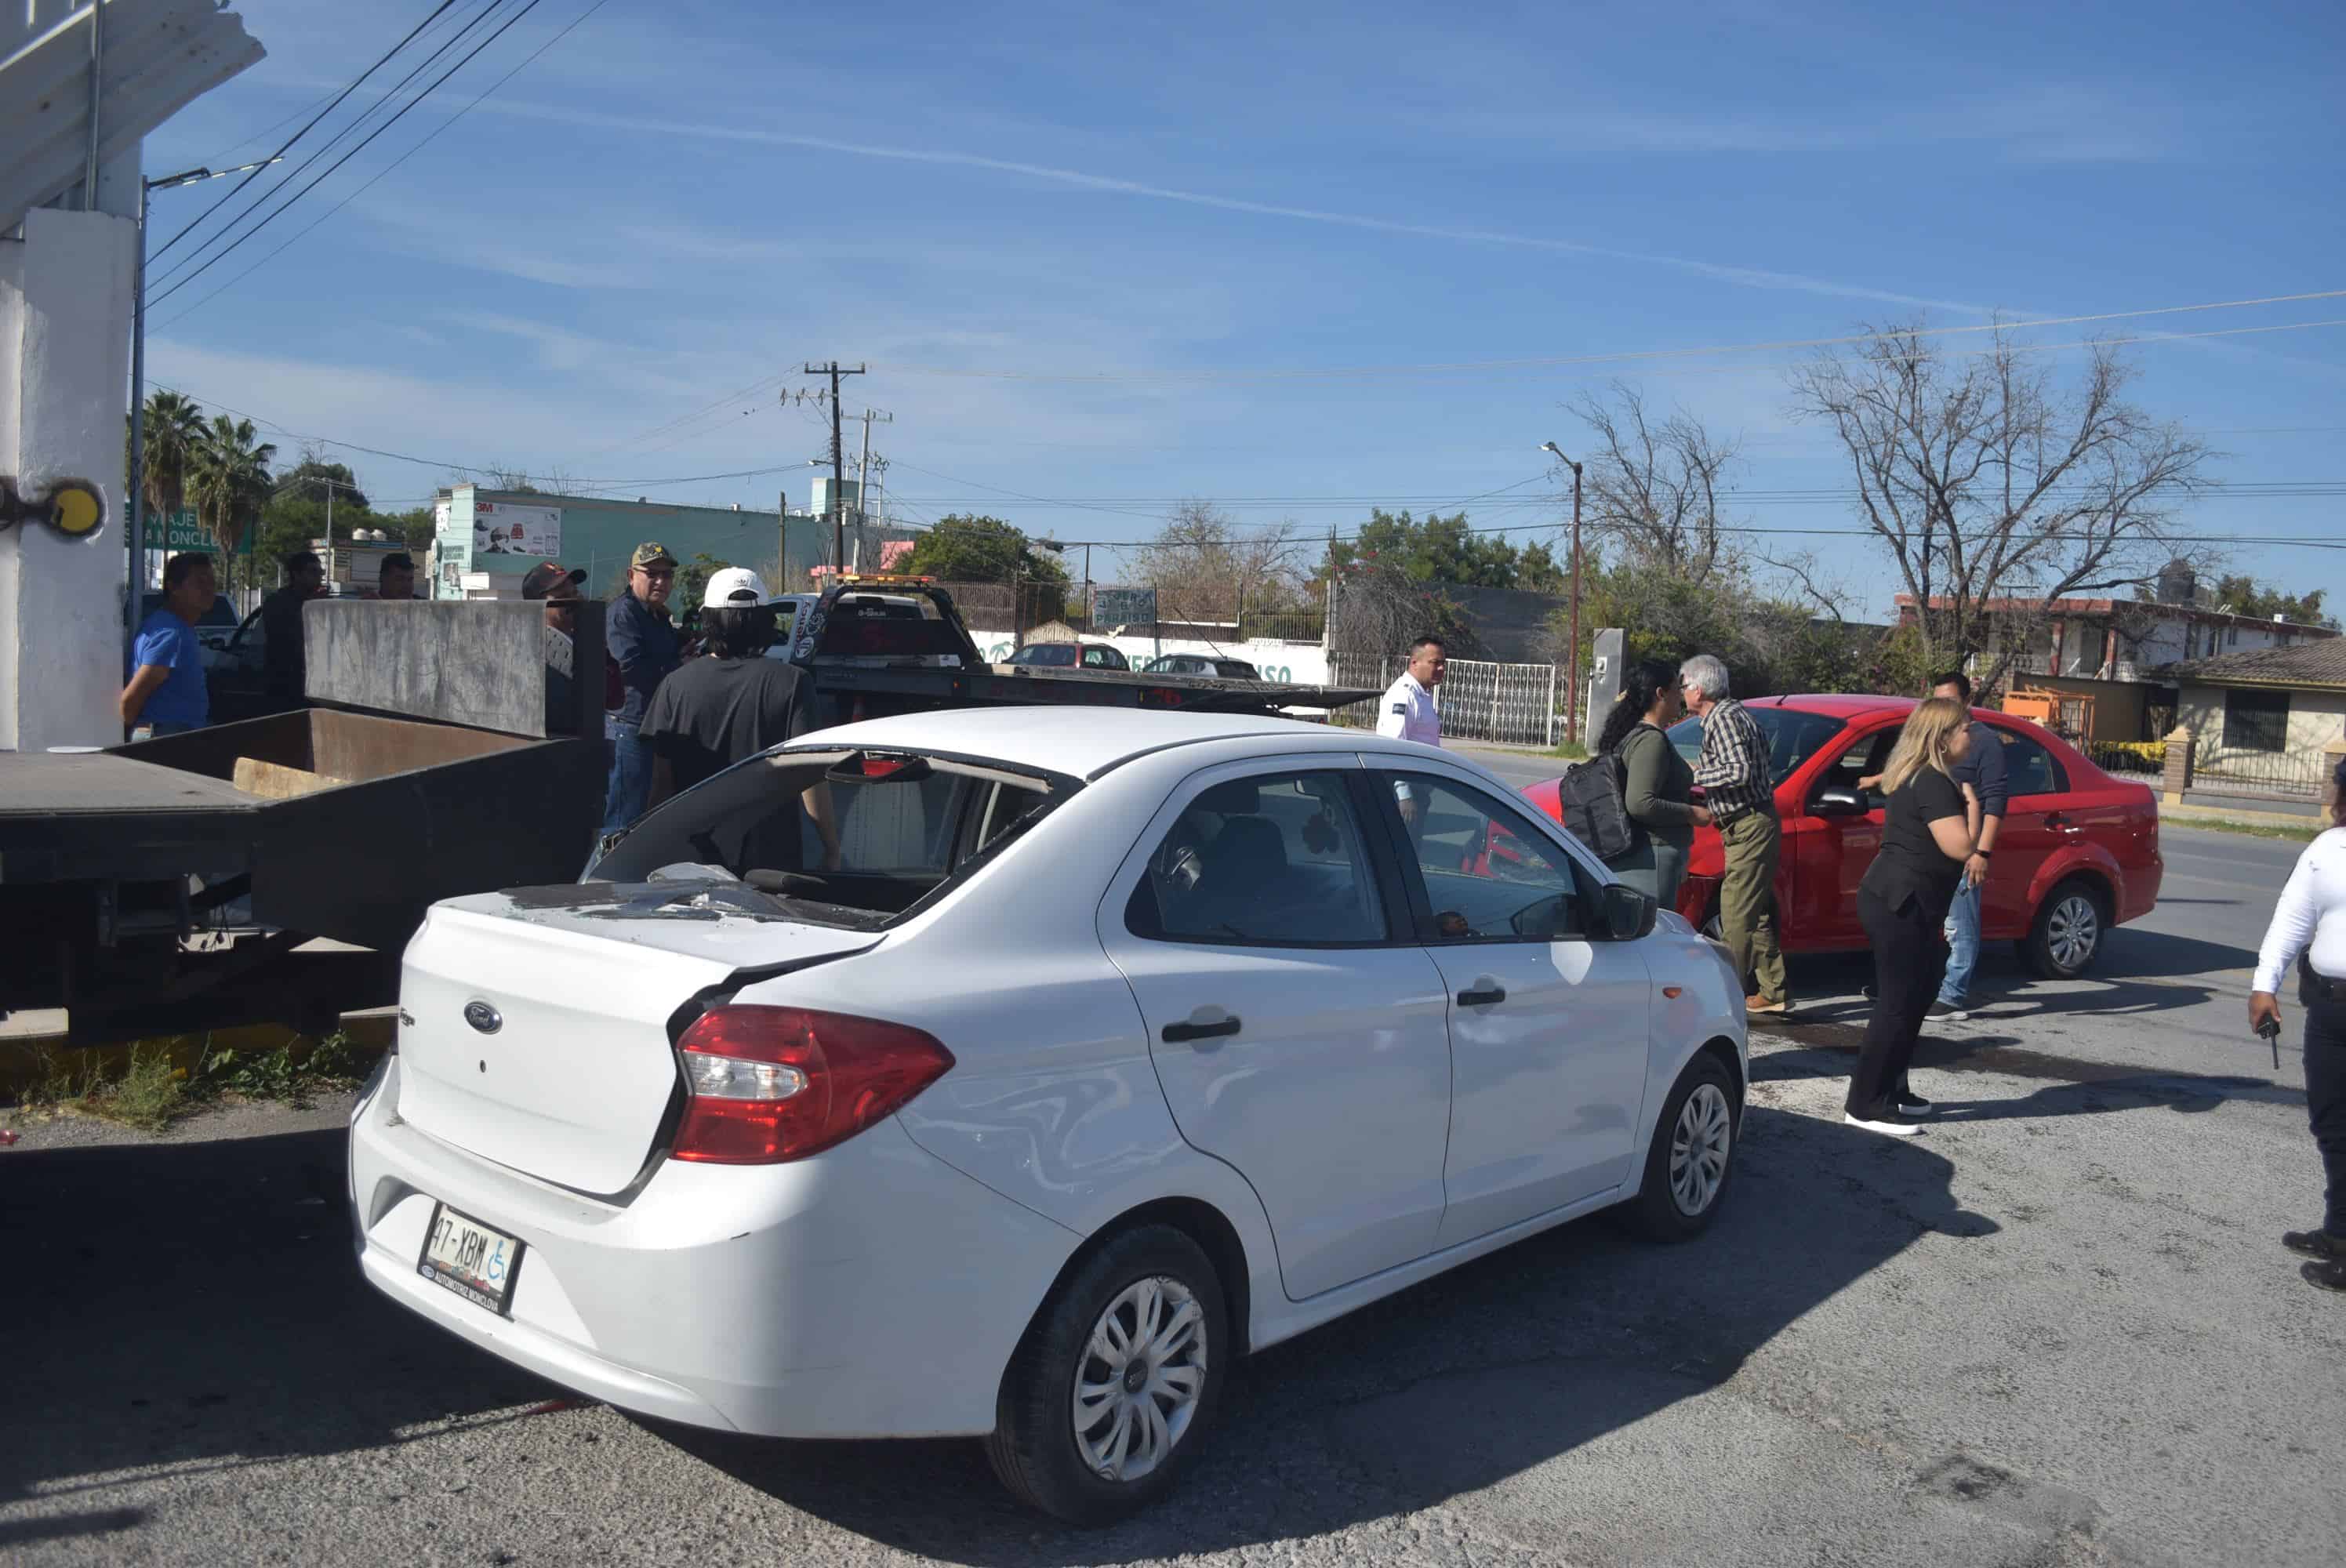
[(1926, 836)]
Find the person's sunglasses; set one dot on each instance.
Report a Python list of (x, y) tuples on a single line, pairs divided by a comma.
[(658, 575)]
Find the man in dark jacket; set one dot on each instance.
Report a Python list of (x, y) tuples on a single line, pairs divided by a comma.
[(643, 644), (281, 656)]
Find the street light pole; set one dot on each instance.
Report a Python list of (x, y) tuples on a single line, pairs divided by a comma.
[(135, 574), (1572, 713)]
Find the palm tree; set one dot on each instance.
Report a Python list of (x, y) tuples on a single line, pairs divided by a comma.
[(229, 480), (175, 430)]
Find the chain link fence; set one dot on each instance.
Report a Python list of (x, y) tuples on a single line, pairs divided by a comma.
[(1510, 704)]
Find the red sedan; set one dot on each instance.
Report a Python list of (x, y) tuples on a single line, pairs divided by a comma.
[(2078, 852)]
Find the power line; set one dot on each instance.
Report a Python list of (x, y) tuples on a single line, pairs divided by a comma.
[(285, 182), (1561, 359), (394, 164), (305, 130), (504, 27)]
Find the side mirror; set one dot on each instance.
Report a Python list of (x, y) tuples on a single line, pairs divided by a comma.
[(1839, 800), (1628, 913)]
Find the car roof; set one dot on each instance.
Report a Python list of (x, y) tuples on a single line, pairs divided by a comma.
[(1080, 740)]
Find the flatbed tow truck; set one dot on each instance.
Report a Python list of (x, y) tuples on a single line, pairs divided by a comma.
[(271, 870)]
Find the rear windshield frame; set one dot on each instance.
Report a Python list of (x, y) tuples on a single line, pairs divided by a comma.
[(817, 761)]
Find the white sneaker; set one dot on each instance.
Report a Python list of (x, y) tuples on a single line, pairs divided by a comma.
[(1894, 1129)]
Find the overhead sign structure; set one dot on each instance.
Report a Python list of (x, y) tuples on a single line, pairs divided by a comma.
[(1124, 607)]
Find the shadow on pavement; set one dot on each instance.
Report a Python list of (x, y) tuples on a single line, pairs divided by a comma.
[(197, 1307), (1456, 1385)]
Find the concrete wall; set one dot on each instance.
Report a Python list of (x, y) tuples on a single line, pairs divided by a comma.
[(65, 367)]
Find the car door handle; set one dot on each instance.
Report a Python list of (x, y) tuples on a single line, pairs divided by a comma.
[(1482, 997), (1182, 1034)]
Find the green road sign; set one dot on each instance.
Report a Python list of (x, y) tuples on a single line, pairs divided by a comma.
[(181, 532)]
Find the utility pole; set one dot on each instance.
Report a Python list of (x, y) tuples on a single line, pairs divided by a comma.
[(1572, 713), (864, 469), (838, 462)]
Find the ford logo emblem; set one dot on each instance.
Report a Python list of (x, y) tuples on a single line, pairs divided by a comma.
[(483, 1017)]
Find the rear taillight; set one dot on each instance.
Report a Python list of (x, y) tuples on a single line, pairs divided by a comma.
[(772, 1083)]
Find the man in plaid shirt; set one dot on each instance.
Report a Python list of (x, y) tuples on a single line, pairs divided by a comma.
[(1740, 788)]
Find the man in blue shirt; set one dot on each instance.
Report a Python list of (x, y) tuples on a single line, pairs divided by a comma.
[(1983, 774), (642, 641), (166, 691)]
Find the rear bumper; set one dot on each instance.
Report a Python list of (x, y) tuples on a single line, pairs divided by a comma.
[(870, 1291)]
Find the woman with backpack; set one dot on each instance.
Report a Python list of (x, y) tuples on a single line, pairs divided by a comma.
[(1656, 784)]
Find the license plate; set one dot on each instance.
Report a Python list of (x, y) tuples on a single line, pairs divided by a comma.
[(468, 1258)]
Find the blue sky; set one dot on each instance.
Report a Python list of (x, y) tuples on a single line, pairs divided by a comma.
[(681, 200)]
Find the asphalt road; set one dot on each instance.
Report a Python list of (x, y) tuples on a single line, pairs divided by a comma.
[(2057, 1330)]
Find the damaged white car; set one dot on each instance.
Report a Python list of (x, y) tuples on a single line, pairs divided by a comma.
[(1115, 1046)]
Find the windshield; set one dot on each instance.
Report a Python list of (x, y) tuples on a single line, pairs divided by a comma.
[(1793, 737)]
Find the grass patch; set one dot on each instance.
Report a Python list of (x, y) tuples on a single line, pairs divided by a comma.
[(2304, 835), (285, 1073), (151, 1095), (149, 1088), (1571, 751)]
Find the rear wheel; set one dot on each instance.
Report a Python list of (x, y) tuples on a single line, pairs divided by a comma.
[(2065, 936), (1691, 1156), (1115, 1381)]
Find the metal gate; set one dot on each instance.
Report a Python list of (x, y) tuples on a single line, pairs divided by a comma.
[(1512, 704)]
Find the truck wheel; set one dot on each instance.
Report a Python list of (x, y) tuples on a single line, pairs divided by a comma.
[(2066, 935), (1115, 1381), (1691, 1156)]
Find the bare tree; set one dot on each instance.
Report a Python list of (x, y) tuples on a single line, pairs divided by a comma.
[(1997, 489), (1654, 488), (1205, 569)]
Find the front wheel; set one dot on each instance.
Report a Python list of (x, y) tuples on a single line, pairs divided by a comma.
[(1692, 1154), (2066, 935), (1115, 1381)]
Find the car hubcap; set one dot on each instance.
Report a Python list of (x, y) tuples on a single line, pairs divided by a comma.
[(1137, 1383), (2073, 929), (1698, 1149)]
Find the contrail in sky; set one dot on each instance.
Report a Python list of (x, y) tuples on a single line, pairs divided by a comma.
[(1749, 276)]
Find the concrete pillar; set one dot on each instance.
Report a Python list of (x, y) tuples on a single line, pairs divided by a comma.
[(64, 371), (2177, 774)]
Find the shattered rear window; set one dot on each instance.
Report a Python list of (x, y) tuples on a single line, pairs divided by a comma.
[(906, 825)]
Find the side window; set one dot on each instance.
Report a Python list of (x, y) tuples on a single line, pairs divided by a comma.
[(1273, 860), (1488, 874), (1863, 758), (2028, 768)]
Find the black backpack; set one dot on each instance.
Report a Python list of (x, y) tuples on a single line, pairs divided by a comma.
[(1590, 799)]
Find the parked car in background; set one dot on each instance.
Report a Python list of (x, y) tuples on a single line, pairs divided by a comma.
[(1198, 664), (1069, 656), (2078, 852), (1114, 1045)]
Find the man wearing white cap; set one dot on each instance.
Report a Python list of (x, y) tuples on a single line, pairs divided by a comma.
[(733, 702)]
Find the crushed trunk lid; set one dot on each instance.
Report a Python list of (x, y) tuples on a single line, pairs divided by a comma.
[(536, 1027)]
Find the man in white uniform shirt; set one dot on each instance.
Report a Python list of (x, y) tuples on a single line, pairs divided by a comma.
[(2309, 922), (1407, 711)]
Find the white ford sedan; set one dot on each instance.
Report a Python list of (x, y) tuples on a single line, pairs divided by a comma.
[(1116, 1045)]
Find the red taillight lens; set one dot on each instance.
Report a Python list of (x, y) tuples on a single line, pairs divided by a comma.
[(772, 1083)]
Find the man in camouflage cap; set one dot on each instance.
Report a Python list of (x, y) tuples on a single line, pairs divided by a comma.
[(643, 643)]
